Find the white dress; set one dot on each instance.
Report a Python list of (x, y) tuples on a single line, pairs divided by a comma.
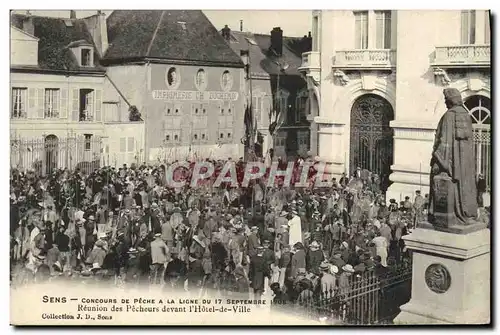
[(295, 230)]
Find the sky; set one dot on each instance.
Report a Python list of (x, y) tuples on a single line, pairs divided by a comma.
[(293, 22)]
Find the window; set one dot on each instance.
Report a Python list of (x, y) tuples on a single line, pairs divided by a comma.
[(86, 105), (383, 24), (468, 28), (19, 103), (361, 30), (51, 103), (172, 137), (88, 142), (86, 57), (301, 106), (280, 139), (487, 27)]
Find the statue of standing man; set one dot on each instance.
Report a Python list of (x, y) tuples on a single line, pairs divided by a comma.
[(453, 192)]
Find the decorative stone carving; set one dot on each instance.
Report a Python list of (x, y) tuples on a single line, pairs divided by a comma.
[(443, 76), (341, 77), (437, 278), (368, 81)]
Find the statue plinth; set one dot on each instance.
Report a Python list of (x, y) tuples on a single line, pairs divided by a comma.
[(450, 280)]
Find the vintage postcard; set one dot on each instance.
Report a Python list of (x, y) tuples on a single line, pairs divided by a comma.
[(189, 167)]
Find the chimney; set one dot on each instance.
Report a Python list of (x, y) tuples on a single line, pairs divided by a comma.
[(103, 28), (309, 42), (96, 24), (28, 25), (241, 25), (226, 33), (277, 41), (72, 14)]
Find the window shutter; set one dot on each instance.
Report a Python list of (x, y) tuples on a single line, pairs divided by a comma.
[(31, 103), (40, 103), (75, 114), (98, 105), (131, 144), (123, 144), (64, 104)]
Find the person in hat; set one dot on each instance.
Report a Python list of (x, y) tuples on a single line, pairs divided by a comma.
[(284, 264), (298, 259), (270, 258), (381, 246), (327, 279), (133, 269), (280, 298), (98, 254), (258, 271), (314, 258), (344, 278), (195, 273), (253, 241), (175, 271), (337, 260), (160, 255)]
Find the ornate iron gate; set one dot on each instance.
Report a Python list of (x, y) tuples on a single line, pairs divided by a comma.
[(371, 144), (44, 155), (479, 110)]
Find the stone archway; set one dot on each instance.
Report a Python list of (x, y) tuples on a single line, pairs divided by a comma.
[(371, 137)]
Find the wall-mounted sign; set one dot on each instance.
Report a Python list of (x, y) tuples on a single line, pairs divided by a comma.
[(194, 95)]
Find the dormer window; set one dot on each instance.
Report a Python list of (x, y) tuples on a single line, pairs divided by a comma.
[(86, 57)]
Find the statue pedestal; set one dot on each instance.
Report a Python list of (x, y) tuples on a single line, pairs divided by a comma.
[(451, 278)]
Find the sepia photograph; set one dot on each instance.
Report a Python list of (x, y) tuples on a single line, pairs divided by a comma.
[(325, 167)]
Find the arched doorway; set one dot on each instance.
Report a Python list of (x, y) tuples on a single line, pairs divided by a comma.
[(480, 111), (51, 153), (371, 143)]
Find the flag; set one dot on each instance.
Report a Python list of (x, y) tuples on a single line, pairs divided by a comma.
[(249, 123)]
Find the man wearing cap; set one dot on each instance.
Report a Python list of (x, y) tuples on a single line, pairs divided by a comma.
[(281, 220), (167, 233), (327, 279), (314, 258), (62, 241), (344, 279), (159, 256), (253, 241), (258, 271), (298, 259)]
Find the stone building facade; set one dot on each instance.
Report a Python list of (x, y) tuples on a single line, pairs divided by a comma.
[(375, 80)]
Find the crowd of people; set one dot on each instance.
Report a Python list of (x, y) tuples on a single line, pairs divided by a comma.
[(127, 227)]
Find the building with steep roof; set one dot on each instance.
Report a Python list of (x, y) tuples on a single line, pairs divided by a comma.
[(59, 96), (184, 79), (276, 85)]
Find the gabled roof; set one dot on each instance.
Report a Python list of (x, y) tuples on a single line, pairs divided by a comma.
[(183, 35), (262, 59), (54, 38)]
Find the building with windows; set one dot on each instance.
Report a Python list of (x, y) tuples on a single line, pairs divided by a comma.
[(278, 90), (183, 78), (375, 80), (59, 96)]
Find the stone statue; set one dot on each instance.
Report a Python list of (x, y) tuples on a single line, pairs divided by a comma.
[(452, 200)]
